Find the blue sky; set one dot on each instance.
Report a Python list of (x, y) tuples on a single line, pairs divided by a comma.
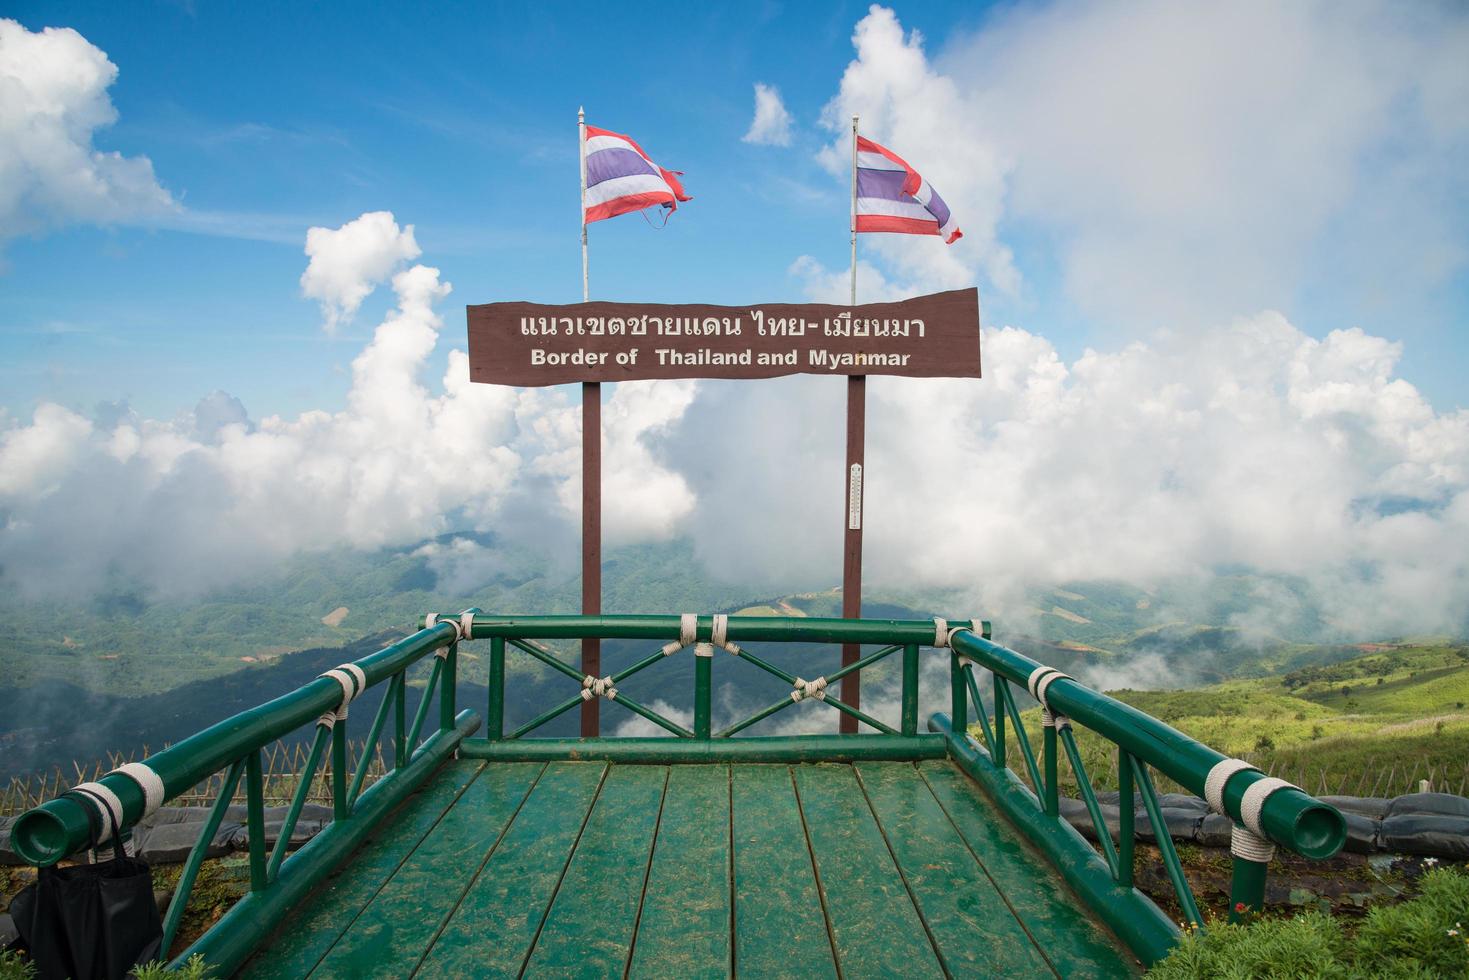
[(1221, 252), (460, 119), (263, 120)]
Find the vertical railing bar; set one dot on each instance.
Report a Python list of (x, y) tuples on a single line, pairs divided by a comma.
[(1089, 797), (1051, 792), (958, 696), (448, 690), (999, 684), (495, 709), (255, 820), (1023, 740), (435, 677), (341, 806), (1126, 829), (1165, 845), (398, 692), (200, 851), (910, 689), (980, 714), (298, 800), (703, 682), (369, 748)]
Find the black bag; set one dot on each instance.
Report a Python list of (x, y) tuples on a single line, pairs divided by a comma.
[(90, 921)]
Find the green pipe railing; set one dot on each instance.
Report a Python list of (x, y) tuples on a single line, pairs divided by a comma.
[(1289, 817), (1103, 874), (63, 826)]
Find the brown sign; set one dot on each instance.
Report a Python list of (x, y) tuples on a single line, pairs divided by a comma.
[(531, 344)]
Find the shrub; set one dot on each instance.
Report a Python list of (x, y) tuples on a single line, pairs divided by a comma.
[(1421, 938), (194, 968), (15, 966)]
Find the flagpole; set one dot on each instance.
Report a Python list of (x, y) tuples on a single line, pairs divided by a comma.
[(854, 215), (852, 511), (591, 479)]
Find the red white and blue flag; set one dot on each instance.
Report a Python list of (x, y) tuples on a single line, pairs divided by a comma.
[(622, 178), (892, 196)]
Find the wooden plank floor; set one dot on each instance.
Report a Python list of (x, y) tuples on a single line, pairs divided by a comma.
[(581, 869)]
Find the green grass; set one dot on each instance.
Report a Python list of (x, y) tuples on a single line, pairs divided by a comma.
[(1420, 938)]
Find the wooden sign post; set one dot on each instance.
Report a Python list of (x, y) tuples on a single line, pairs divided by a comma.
[(531, 344)]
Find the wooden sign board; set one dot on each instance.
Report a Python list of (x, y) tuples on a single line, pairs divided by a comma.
[(531, 344)]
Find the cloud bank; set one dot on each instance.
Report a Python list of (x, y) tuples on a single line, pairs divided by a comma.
[(53, 99), (186, 505), (772, 123)]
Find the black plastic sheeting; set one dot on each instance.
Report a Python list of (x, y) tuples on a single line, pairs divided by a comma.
[(1428, 824)]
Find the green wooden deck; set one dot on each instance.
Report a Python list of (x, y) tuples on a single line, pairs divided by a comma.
[(592, 870)]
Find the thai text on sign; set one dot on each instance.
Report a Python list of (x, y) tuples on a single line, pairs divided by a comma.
[(530, 344)]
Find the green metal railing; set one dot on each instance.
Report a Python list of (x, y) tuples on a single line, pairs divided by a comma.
[(1102, 875), (64, 826), (704, 635), (1289, 817)]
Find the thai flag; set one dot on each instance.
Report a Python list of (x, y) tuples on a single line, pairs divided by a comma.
[(622, 178), (892, 196)]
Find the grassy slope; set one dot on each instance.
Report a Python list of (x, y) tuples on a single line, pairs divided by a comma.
[(1303, 726)]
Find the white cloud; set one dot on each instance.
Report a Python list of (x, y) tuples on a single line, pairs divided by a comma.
[(1251, 445), (772, 123), (349, 262), (192, 504), (1186, 162), (53, 99), (920, 113)]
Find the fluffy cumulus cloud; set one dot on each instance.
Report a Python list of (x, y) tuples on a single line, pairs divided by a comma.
[(772, 123), (1252, 446), (348, 262), (53, 99), (1184, 161), (194, 503)]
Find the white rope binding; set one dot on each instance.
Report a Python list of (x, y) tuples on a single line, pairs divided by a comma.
[(940, 631), (688, 630), (108, 797), (1041, 679), (353, 682), (809, 689), (1249, 846), (719, 636), (1218, 778), (1254, 799), (1054, 719), (974, 627), (462, 629), (1247, 839), (597, 687), (148, 781)]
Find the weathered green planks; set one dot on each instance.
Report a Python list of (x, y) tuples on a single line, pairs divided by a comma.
[(684, 927), (1075, 945), (298, 946), (975, 931), (589, 930), (492, 930), (876, 929), (780, 930), (391, 934)]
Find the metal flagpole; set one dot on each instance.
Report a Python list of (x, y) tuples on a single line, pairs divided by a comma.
[(591, 479), (852, 543)]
